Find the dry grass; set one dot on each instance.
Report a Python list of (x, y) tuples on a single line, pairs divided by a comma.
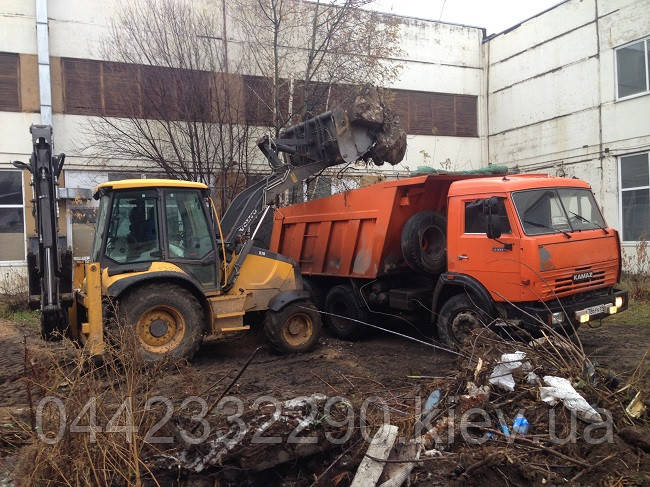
[(110, 394)]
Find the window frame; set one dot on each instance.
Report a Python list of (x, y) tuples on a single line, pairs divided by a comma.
[(8, 263), (621, 190), (646, 41)]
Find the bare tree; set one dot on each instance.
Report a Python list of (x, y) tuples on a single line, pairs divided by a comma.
[(315, 53), (183, 106)]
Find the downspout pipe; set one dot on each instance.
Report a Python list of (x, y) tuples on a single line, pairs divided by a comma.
[(43, 48)]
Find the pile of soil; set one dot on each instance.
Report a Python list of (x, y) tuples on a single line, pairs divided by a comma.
[(371, 108)]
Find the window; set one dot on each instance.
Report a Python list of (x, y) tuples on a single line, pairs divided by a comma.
[(634, 171), (12, 221), (555, 210), (476, 218), (188, 232), (133, 227), (632, 69), (9, 85)]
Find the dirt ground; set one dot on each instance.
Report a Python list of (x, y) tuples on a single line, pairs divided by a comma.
[(381, 362)]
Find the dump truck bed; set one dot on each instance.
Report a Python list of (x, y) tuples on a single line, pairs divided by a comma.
[(357, 233)]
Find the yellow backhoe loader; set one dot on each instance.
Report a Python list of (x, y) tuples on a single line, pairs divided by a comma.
[(171, 267)]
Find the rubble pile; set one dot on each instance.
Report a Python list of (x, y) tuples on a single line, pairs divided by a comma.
[(372, 108), (535, 413), (527, 414)]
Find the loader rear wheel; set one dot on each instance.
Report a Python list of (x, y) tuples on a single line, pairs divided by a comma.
[(295, 328), (424, 242), (339, 304), (166, 320)]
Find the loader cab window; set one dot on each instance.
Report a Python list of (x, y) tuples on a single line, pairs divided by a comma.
[(476, 219), (100, 227), (133, 229), (188, 231)]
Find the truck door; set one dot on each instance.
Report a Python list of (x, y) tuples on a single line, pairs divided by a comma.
[(494, 263)]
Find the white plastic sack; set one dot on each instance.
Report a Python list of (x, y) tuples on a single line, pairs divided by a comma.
[(501, 376), (561, 390)]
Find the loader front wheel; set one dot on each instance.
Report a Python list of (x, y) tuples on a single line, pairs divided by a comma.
[(295, 328), (166, 319)]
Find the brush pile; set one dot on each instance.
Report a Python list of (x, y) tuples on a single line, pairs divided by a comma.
[(533, 413)]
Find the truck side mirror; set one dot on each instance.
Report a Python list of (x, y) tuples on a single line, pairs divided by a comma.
[(493, 222)]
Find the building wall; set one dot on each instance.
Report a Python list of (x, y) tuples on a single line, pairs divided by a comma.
[(437, 58), (552, 100)]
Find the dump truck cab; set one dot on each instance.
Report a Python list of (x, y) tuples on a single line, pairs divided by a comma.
[(537, 245)]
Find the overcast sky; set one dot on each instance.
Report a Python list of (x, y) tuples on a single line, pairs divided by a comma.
[(494, 15)]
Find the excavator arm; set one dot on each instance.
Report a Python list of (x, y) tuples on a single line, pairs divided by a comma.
[(304, 150), (49, 261)]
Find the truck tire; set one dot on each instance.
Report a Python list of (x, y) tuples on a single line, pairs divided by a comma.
[(424, 242), (341, 301), (295, 328), (167, 321), (457, 318)]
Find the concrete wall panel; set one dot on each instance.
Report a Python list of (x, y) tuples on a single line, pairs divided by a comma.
[(553, 23), (558, 93), (555, 54), (559, 139)]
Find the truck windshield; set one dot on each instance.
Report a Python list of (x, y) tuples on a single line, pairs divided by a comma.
[(554, 210)]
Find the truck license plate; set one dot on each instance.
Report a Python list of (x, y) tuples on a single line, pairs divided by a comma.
[(596, 310)]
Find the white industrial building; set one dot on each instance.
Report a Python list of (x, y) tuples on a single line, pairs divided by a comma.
[(566, 92)]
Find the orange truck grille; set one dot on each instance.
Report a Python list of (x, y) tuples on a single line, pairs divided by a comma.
[(564, 282)]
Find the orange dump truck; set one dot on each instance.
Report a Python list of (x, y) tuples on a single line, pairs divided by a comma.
[(518, 252)]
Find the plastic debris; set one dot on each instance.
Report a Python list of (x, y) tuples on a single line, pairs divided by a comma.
[(560, 389), (432, 400), (532, 378), (502, 423), (520, 425), (501, 376), (636, 407)]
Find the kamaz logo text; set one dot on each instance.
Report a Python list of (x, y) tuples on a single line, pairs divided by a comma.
[(583, 276)]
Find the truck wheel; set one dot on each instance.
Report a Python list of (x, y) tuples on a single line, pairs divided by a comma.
[(167, 321), (341, 301), (295, 328), (424, 242), (457, 318)]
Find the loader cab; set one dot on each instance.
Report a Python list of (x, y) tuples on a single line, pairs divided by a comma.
[(140, 222)]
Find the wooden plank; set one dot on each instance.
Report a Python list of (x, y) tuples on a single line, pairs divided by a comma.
[(370, 470)]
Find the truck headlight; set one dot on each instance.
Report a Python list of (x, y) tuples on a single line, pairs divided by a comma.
[(557, 318), (618, 301), (583, 318), (612, 310)]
